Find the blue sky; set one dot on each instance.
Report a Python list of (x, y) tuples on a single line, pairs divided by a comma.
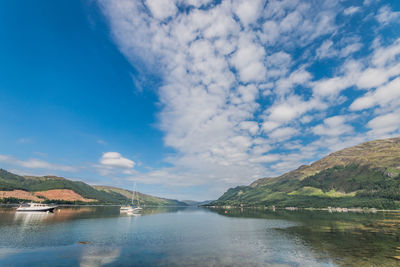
[(189, 98)]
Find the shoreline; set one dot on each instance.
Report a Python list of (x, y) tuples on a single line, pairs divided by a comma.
[(328, 209), (98, 205)]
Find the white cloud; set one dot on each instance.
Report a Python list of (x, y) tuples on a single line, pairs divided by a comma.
[(333, 126), (250, 126), (363, 103), (327, 144), (36, 164), (386, 15), (266, 159), (270, 125), (288, 110), (383, 64), (98, 256), (289, 23), (383, 95), (331, 86), (350, 49), (115, 159), (383, 125), (327, 49), (195, 3), (248, 60), (372, 77), (306, 119), (248, 11), (239, 80), (369, 2), (351, 10), (271, 31), (162, 9), (297, 77), (278, 64), (384, 56), (284, 133)]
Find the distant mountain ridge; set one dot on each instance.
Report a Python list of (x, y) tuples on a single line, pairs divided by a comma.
[(194, 203), (144, 198), (364, 175), (15, 188)]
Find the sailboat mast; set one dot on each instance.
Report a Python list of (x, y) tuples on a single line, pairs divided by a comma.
[(137, 196), (133, 192)]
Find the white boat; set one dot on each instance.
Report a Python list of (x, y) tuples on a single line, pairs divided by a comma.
[(125, 208), (137, 210), (132, 208), (36, 207), (129, 209)]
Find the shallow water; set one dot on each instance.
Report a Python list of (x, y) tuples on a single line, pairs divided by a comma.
[(101, 236)]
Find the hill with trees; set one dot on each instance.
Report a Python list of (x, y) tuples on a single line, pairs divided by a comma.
[(366, 175), (16, 188)]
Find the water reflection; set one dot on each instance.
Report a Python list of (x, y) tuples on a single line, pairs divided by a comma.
[(95, 236), (31, 218), (9, 216), (5, 252), (98, 256), (350, 239), (133, 214)]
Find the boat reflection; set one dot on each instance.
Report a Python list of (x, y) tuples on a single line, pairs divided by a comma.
[(31, 218), (154, 210), (130, 213)]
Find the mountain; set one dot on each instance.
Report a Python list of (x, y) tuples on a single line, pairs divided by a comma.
[(194, 203), (144, 198), (14, 188), (366, 175)]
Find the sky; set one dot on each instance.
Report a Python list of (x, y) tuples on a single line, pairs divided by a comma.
[(189, 98)]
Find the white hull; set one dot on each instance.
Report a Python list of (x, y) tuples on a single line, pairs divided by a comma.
[(36, 207), (131, 209), (137, 210)]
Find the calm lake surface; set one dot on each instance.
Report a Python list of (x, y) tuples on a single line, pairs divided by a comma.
[(101, 236)]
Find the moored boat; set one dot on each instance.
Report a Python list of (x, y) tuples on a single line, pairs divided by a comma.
[(132, 208), (125, 208), (137, 210), (36, 207)]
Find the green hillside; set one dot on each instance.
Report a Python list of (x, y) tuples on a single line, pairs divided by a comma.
[(102, 194), (10, 181), (144, 198), (366, 175)]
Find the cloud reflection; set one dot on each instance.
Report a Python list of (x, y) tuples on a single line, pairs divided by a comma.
[(99, 256)]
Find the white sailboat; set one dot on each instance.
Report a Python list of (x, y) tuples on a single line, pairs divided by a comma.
[(132, 208)]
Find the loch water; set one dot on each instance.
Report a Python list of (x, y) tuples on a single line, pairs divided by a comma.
[(102, 236)]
